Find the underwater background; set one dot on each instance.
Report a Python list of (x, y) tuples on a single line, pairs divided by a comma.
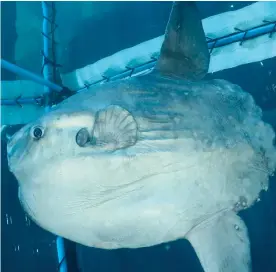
[(101, 29)]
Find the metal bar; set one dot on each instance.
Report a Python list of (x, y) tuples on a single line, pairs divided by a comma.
[(22, 101), (61, 255), (268, 28), (48, 74), (240, 35), (29, 75), (45, 64)]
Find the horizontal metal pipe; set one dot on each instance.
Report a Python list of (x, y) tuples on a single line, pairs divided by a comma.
[(21, 101), (242, 35), (268, 28), (29, 75)]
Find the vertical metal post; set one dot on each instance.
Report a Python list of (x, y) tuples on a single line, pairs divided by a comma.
[(46, 29), (48, 71)]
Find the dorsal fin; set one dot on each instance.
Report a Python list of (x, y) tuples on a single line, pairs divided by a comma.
[(184, 52)]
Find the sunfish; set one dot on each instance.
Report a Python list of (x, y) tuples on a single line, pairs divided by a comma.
[(151, 159)]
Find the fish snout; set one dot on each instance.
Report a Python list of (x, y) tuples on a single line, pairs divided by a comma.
[(11, 143), (16, 145)]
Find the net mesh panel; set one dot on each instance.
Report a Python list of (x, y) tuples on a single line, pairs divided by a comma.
[(90, 31)]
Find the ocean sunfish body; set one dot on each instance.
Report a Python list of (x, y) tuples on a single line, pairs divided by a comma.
[(151, 159)]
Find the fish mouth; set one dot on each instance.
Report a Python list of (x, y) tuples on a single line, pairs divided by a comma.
[(16, 147), (14, 162)]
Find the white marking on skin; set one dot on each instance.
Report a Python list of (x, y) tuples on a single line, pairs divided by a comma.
[(73, 121)]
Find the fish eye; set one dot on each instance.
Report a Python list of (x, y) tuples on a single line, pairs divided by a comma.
[(82, 137), (37, 132)]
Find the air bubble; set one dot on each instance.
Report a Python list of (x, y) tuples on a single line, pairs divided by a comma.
[(167, 247)]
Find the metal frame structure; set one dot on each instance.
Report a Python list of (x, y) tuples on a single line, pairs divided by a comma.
[(49, 69), (49, 77), (268, 28)]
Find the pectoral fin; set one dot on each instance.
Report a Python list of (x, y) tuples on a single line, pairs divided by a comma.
[(114, 128), (222, 244)]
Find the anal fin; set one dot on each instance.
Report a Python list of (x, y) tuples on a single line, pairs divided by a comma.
[(222, 244)]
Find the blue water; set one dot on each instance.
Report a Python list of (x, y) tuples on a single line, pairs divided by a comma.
[(26, 247)]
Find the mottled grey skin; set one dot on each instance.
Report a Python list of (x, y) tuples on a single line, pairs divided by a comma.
[(167, 157), (184, 52)]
